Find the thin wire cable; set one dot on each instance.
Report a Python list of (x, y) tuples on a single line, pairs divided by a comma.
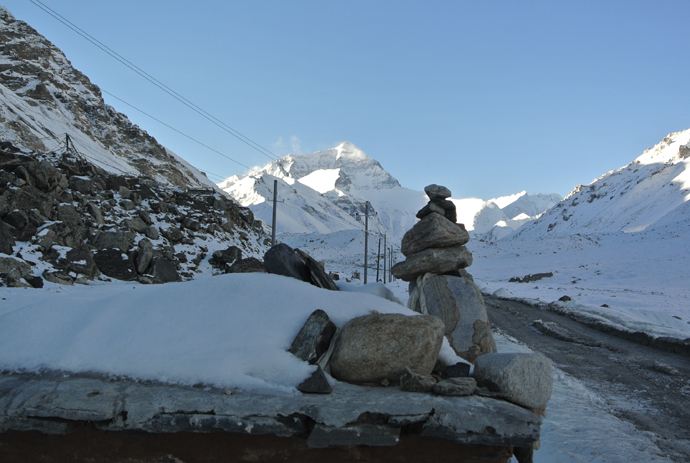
[(176, 130), (246, 140)]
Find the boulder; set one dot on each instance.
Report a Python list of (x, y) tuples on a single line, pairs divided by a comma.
[(173, 234), (459, 304), (11, 264), (458, 370), (375, 347), (455, 387), (281, 259), (433, 231), (135, 224), (83, 185), (219, 259), (6, 238), (46, 176), (315, 337), (525, 379), (78, 260), (415, 382), (144, 255), (164, 271), (432, 260), (248, 265), (95, 212), (115, 264), (151, 232), (318, 276), (69, 215), (112, 239)]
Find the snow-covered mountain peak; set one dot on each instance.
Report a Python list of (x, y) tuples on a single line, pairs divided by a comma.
[(651, 191)]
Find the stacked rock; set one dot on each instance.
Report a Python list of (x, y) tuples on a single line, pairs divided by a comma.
[(435, 264)]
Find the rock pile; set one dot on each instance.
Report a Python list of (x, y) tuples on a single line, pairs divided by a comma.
[(439, 284), (83, 223)]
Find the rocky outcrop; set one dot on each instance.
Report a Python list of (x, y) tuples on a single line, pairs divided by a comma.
[(85, 223), (380, 347)]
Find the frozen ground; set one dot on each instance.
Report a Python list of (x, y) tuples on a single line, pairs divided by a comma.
[(643, 278)]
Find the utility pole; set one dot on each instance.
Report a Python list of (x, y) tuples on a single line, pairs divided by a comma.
[(275, 203), (366, 239), (378, 260), (390, 267), (384, 258)]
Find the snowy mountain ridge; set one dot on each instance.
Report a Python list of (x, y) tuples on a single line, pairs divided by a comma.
[(43, 99), (326, 192), (649, 193)]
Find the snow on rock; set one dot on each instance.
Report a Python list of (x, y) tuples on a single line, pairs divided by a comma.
[(225, 331)]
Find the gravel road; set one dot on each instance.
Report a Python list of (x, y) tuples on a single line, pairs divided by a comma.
[(646, 386)]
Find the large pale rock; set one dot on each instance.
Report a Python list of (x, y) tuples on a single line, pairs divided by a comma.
[(433, 260), (458, 302), (382, 346), (433, 231), (526, 379)]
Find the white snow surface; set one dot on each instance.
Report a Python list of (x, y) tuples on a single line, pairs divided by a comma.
[(230, 330)]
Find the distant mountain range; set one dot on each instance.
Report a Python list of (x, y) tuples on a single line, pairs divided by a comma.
[(326, 191)]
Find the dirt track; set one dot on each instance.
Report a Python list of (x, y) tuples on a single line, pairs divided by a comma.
[(644, 385)]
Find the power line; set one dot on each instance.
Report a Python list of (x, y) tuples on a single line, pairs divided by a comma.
[(246, 140), (176, 130)]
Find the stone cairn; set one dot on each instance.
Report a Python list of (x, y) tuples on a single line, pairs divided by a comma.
[(435, 264)]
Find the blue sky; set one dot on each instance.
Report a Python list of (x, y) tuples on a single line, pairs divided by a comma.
[(488, 98)]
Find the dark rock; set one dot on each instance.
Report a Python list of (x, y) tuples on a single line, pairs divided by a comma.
[(191, 224), (57, 277), (10, 265), (248, 265), (317, 383), (35, 281), (173, 234), (448, 207), (455, 387), (143, 215), (219, 259), (6, 238), (319, 277), (112, 239), (47, 177), (79, 260), (428, 209), (415, 382), (135, 225), (17, 219), (115, 264), (315, 337), (459, 370), (151, 232), (144, 255), (95, 212), (281, 259), (531, 278), (164, 271), (69, 215), (83, 185), (127, 205), (564, 298)]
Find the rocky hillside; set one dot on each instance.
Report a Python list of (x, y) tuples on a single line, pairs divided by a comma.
[(649, 193), (43, 99), (67, 221)]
